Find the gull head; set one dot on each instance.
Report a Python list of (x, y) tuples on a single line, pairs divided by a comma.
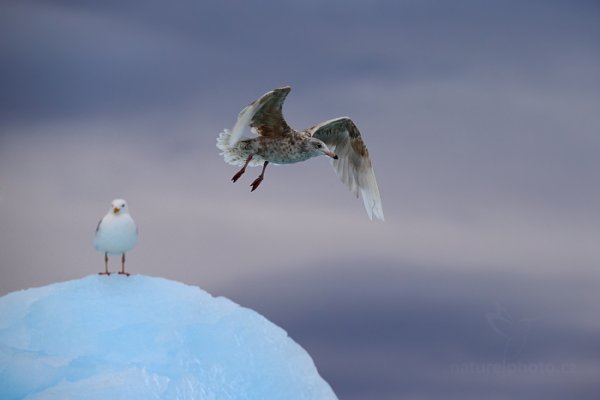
[(317, 148), (118, 207)]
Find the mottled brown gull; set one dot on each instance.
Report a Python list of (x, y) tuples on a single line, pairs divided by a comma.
[(277, 143)]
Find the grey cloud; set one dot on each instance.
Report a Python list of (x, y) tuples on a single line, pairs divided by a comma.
[(86, 57), (180, 193)]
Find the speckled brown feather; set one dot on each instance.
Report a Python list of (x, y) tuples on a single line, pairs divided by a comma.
[(330, 134), (268, 119)]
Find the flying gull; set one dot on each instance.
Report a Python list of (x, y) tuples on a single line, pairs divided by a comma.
[(277, 143), (116, 234)]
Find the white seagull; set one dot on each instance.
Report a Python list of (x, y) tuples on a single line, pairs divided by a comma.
[(277, 143), (116, 234)]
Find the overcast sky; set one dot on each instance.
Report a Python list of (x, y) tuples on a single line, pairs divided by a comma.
[(482, 120)]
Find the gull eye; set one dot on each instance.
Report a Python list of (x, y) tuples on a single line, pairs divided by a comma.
[(122, 205)]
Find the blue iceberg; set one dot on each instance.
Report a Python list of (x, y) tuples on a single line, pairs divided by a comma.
[(145, 338)]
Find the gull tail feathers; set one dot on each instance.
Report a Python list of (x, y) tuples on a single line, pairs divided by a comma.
[(227, 150), (224, 140), (231, 153)]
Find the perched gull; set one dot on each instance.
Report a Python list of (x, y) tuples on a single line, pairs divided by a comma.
[(116, 234), (277, 143)]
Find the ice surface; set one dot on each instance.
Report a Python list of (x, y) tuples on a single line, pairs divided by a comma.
[(145, 338)]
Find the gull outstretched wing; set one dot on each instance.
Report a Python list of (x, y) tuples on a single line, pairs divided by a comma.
[(264, 115), (353, 165)]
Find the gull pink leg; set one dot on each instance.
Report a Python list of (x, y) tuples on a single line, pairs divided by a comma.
[(241, 171), (105, 266), (122, 271), (260, 178)]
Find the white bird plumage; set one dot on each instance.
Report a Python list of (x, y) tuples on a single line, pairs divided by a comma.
[(277, 143), (116, 234)]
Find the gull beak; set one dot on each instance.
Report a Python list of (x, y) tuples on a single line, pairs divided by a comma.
[(116, 210), (331, 154)]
